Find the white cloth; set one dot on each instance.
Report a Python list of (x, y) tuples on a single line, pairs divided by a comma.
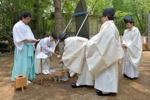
[(21, 31), (129, 70), (104, 49), (47, 45), (74, 59), (133, 53), (47, 48), (74, 52), (85, 78), (107, 80), (132, 38)]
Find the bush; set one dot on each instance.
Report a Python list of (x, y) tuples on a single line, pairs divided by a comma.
[(4, 45)]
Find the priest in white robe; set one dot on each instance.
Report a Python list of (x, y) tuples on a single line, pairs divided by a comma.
[(132, 44), (74, 59), (24, 48), (103, 52), (47, 46)]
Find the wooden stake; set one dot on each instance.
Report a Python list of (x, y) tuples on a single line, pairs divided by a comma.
[(41, 68)]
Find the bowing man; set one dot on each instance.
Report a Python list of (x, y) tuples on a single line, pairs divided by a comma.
[(47, 45), (74, 59)]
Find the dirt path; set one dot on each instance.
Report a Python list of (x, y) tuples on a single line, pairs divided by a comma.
[(138, 89)]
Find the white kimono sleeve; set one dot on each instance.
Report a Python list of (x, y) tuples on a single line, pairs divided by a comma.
[(103, 49), (45, 48), (74, 53), (18, 38), (134, 47)]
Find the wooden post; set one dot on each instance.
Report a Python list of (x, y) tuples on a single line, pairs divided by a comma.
[(148, 28), (41, 68), (22, 89)]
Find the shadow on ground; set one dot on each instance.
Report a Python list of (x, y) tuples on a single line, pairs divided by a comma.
[(138, 89)]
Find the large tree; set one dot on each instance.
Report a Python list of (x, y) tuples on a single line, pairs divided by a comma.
[(58, 16), (10, 13)]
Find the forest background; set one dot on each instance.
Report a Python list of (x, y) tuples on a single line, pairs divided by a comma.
[(53, 15)]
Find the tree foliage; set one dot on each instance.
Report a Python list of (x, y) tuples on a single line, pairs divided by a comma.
[(11, 9)]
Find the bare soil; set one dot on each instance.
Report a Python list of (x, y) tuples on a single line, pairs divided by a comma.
[(138, 89)]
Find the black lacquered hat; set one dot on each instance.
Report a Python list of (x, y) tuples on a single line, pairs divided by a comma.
[(128, 19)]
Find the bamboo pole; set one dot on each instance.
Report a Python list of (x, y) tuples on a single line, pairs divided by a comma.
[(41, 67)]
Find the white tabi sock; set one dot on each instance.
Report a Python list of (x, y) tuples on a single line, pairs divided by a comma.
[(72, 74)]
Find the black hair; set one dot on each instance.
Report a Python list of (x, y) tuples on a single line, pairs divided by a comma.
[(54, 35), (109, 17), (109, 12), (131, 23), (128, 19), (25, 14), (62, 37), (65, 38)]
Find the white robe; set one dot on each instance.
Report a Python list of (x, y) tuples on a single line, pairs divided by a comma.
[(74, 59), (103, 51), (47, 48), (85, 77), (74, 52), (133, 53), (23, 54), (21, 31), (107, 81)]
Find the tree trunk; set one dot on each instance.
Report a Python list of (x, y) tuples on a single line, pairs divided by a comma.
[(58, 17), (35, 19), (58, 23)]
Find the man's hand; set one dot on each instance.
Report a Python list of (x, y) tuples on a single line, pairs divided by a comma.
[(30, 40), (53, 52), (60, 61), (58, 56), (125, 46)]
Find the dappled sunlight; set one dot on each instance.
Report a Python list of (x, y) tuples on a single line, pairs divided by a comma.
[(140, 87), (7, 84), (144, 69), (145, 63), (6, 78), (4, 72), (146, 73)]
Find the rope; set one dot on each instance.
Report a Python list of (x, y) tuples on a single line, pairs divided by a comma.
[(86, 18), (81, 24)]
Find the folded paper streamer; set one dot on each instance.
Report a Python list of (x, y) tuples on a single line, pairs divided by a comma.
[(38, 40), (41, 55)]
